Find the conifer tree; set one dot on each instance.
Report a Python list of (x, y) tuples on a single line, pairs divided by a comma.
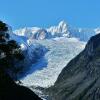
[(10, 51)]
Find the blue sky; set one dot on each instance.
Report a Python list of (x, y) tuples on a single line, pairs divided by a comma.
[(44, 13)]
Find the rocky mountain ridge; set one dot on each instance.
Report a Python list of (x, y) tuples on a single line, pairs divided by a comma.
[(61, 30), (80, 79)]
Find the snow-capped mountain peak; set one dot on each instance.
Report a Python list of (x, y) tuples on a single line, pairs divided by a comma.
[(63, 24), (59, 30), (63, 29), (54, 31), (97, 30)]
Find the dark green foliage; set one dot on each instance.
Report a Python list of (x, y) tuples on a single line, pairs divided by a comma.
[(10, 55), (3, 26), (10, 52), (13, 44)]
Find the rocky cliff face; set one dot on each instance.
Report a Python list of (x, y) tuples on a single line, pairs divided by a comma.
[(80, 79)]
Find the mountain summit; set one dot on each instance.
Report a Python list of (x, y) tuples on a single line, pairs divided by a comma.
[(61, 30)]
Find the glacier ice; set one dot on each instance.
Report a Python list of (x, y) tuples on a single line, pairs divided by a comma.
[(63, 43), (61, 51)]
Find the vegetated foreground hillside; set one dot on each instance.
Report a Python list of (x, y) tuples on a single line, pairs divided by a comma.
[(10, 56)]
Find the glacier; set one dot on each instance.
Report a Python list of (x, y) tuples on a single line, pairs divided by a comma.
[(61, 51), (56, 46), (63, 42)]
